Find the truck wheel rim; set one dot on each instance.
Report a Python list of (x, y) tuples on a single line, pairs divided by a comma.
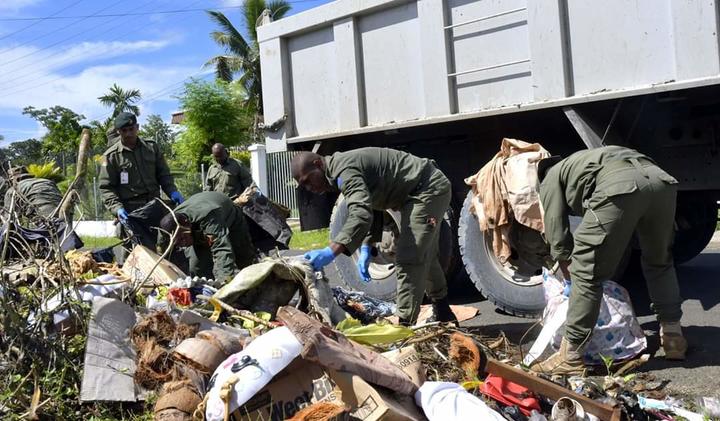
[(517, 270)]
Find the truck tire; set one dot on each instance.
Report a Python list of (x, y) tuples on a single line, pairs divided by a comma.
[(515, 292), (696, 218), (382, 269)]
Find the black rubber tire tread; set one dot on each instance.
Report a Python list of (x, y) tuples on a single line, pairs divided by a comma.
[(386, 289), (689, 243), (517, 300)]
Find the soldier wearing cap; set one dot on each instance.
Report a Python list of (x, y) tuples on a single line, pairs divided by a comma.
[(133, 171)]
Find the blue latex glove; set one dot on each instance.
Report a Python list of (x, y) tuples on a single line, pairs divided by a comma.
[(320, 258), (363, 263), (122, 214), (177, 197)]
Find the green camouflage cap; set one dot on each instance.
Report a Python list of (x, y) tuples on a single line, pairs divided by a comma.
[(125, 119)]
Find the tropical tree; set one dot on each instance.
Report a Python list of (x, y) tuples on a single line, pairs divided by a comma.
[(158, 130), (121, 100), (214, 112), (63, 130), (242, 57)]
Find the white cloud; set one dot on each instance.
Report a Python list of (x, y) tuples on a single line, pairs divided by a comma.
[(79, 92), (231, 3), (15, 5), (28, 65)]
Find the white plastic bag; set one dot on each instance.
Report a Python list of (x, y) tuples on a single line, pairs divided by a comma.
[(273, 351), (449, 401), (617, 334)]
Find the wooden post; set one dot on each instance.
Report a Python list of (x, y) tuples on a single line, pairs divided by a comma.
[(78, 182)]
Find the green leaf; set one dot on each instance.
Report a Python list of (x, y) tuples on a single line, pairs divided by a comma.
[(373, 334)]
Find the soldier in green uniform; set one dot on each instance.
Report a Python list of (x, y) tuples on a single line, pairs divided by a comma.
[(616, 191), (34, 196), (372, 181), (227, 175), (216, 234), (133, 171)]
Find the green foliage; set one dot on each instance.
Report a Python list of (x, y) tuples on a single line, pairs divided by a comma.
[(121, 100), (608, 361), (159, 131), (99, 242), (63, 125), (22, 153), (99, 134), (242, 57), (214, 112), (308, 240), (242, 156), (47, 170)]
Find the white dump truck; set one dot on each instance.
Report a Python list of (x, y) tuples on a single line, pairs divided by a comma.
[(448, 79)]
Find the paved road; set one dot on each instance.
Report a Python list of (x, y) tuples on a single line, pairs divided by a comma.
[(700, 287)]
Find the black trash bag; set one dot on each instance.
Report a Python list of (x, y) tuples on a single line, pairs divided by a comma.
[(268, 228), (41, 238)]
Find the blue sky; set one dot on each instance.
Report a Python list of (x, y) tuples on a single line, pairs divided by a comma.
[(70, 62)]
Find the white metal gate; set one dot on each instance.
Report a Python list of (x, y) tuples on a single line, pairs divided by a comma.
[(281, 185)]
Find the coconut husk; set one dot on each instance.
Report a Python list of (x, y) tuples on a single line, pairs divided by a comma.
[(158, 326), (228, 343), (172, 414), (199, 354), (319, 411), (161, 327), (465, 353), (180, 395), (81, 262), (154, 365)]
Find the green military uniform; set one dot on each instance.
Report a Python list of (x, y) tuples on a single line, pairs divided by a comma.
[(231, 178), (221, 241), (36, 196), (129, 178), (616, 191), (377, 179)]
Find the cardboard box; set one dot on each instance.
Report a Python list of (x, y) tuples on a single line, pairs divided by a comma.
[(408, 360), (142, 260), (303, 383)]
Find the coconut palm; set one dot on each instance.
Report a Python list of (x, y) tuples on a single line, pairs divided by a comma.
[(243, 57), (121, 100)]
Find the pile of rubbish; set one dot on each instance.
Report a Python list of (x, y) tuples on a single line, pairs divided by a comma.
[(82, 337)]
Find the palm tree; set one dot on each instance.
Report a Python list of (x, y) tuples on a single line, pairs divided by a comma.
[(121, 100), (243, 57)]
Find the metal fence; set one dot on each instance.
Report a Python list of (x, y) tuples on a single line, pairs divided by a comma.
[(281, 185)]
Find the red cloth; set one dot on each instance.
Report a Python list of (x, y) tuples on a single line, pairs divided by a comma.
[(510, 393), (180, 296)]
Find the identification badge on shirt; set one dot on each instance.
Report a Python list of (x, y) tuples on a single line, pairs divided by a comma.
[(124, 177)]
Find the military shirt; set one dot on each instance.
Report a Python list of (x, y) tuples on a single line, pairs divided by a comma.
[(232, 178), (132, 177), (212, 215), (569, 185), (371, 179), (42, 196)]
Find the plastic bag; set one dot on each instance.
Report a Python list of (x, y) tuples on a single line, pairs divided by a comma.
[(617, 334), (268, 355)]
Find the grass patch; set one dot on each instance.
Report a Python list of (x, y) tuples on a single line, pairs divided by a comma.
[(99, 242), (308, 240)]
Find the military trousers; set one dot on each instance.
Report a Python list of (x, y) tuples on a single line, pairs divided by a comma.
[(629, 196), (202, 261), (416, 263)]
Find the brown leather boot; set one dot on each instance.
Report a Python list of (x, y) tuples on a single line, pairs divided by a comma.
[(566, 361), (672, 340)]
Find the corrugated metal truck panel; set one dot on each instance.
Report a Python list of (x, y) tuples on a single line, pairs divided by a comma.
[(352, 66)]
